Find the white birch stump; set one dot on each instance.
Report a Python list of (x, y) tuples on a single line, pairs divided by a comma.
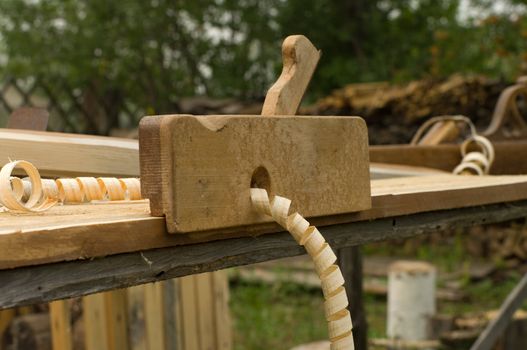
[(411, 300)]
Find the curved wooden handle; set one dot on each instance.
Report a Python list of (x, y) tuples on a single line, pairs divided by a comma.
[(507, 121), (300, 58)]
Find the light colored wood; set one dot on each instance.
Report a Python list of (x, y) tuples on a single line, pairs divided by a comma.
[(220, 290), (205, 311), (83, 231), (189, 313), (60, 154), (441, 132), (300, 58), (207, 163), (116, 306), (95, 322), (61, 335), (386, 171), (154, 316), (411, 300)]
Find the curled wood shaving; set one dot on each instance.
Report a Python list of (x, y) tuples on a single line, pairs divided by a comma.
[(91, 188), (132, 187), (473, 163), (34, 194), (12, 197), (336, 300), (111, 188)]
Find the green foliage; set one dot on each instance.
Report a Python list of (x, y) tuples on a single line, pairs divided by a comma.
[(153, 52)]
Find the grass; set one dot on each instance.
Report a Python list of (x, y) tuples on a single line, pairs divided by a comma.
[(284, 315)]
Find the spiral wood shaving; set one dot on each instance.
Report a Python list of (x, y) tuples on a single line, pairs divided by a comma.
[(472, 163), (336, 300), (33, 194)]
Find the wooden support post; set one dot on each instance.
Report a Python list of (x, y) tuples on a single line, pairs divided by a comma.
[(105, 321), (61, 335), (116, 319), (154, 316), (95, 330), (220, 291), (411, 300), (6, 316), (350, 262)]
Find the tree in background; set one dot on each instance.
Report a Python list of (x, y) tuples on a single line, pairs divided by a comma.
[(145, 55)]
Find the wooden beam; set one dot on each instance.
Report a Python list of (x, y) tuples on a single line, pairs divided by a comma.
[(48, 282), (497, 326), (446, 157), (60, 154)]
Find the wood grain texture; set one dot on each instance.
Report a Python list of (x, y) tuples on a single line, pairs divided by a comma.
[(447, 156), (95, 322), (61, 333), (27, 285), (154, 316), (84, 231), (60, 154), (207, 166), (300, 59)]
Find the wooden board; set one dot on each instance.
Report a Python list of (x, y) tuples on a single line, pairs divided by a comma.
[(509, 155), (28, 118), (198, 170), (58, 154), (83, 231), (61, 280)]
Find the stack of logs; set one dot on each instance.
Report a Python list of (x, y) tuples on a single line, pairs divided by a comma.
[(393, 112)]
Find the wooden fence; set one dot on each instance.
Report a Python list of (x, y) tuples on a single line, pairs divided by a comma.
[(78, 109)]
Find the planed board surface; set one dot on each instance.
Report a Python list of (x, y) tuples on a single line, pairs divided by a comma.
[(84, 231), (509, 155), (198, 170), (60, 154)]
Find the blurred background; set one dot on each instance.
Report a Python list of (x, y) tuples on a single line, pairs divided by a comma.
[(98, 66)]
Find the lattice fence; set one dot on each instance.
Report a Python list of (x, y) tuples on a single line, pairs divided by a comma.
[(72, 109)]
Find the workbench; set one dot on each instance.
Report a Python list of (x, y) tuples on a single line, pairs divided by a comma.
[(75, 250)]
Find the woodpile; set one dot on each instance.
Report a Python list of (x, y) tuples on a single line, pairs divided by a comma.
[(393, 112)]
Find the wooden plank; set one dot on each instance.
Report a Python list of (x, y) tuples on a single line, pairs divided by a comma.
[(95, 322), (380, 171), (154, 316), (136, 318), (6, 316), (209, 163), (28, 118), (497, 326), (205, 310), (60, 154), (173, 324), (446, 157), (61, 335), (116, 307), (82, 231), (48, 282), (189, 313), (220, 290)]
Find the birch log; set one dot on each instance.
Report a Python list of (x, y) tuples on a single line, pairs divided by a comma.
[(411, 299)]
